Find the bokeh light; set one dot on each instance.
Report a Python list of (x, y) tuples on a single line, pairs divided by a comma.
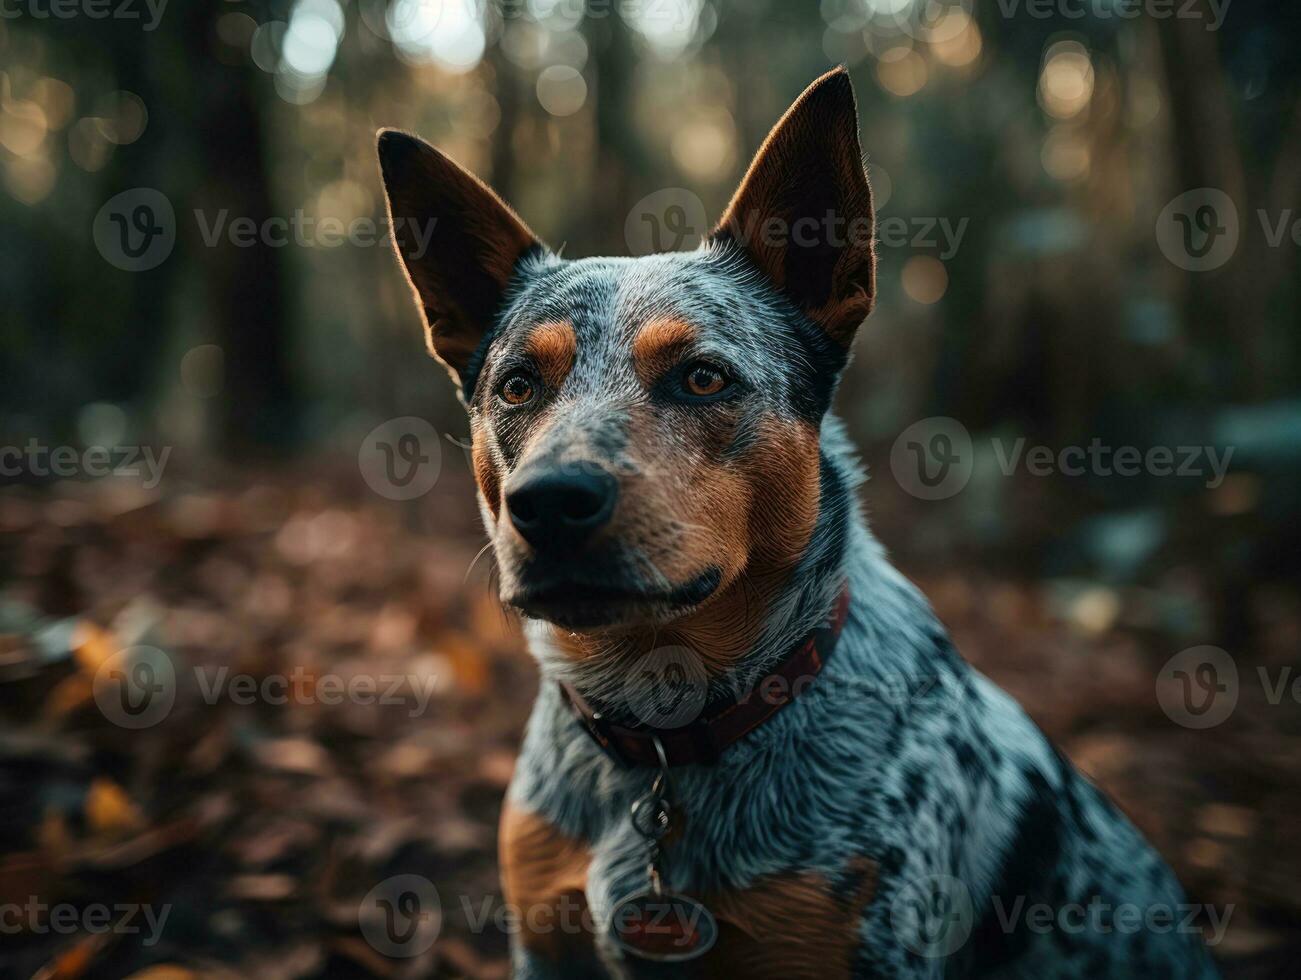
[(561, 90), (669, 26), (1066, 153), (449, 33), (1066, 82), (901, 71), (955, 39), (121, 117), (705, 146), (925, 279)]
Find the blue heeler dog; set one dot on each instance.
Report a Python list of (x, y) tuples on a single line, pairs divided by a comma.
[(755, 752)]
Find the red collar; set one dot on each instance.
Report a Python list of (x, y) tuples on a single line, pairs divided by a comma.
[(702, 741)]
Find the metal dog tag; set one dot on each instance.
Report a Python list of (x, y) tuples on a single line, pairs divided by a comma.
[(663, 927)]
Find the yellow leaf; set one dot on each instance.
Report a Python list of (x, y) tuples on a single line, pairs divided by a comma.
[(109, 810), (92, 645)]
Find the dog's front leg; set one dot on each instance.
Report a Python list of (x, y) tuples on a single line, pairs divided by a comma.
[(544, 877)]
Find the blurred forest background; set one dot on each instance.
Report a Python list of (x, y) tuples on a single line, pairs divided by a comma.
[(1024, 155)]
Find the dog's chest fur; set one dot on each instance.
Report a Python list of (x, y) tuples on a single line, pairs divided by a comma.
[(899, 767)]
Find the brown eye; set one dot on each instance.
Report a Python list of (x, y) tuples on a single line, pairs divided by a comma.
[(516, 389), (703, 380)]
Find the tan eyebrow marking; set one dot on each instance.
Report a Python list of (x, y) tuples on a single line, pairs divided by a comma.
[(658, 344), (553, 347)]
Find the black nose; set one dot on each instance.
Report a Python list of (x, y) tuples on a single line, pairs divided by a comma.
[(562, 508)]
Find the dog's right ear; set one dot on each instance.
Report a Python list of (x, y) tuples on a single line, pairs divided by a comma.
[(458, 242)]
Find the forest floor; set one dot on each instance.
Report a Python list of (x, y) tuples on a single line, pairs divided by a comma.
[(260, 828)]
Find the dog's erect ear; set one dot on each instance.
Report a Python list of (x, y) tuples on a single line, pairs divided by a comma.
[(458, 241), (803, 213)]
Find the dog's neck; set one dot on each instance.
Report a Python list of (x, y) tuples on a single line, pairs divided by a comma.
[(733, 641)]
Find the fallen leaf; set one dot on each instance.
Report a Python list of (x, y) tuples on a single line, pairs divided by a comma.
[(165, 971), (92, 646), (109, 810), (74, 962)]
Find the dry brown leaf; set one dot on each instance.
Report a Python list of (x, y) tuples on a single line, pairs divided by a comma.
[(261, 888), (70, 694), (53, 835), (165, 971), (497, 766), (73, 963), (1225, 820), (469, 664), (25, 873), (362, 953), (296, 755)]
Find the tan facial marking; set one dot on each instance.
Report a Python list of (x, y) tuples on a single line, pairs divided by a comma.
[(786, 478), (658, 345), (764, 517), (485, 473), (553, 347), (540, 866)]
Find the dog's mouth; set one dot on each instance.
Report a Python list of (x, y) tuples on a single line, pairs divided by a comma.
[(577, 603)]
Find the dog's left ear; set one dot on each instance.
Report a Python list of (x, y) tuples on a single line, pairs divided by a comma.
[(803, 213)]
